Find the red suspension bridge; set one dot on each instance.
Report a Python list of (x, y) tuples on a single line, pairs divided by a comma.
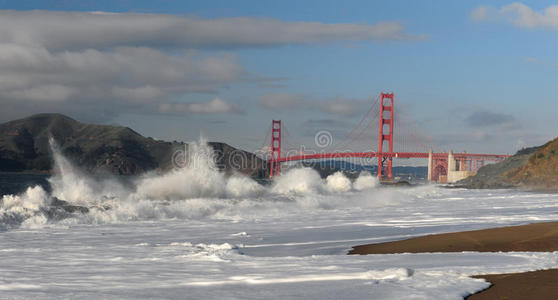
[(397, 137)]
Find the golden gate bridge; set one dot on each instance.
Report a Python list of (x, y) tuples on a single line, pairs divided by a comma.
[(397, 138)]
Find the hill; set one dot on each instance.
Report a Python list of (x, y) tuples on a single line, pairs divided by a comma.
[(118, 150), (531, 168), (540, 170)]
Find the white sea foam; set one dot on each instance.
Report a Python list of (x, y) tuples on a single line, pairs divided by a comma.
[(241, 186), (28, 202), (176, 234), (199, 178), (365, 181), (338, 182), (376, 275), (196, 191), (298, 181), (69, 183)]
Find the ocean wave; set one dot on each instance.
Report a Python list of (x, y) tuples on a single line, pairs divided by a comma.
[(196, 191)]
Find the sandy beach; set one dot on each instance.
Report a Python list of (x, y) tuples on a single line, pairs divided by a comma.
[(529, 285), (537, 237)]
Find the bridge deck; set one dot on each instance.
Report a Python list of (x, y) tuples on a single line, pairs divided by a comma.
[(388, 154)]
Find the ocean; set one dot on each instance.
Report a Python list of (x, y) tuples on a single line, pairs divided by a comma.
[(195, 233)]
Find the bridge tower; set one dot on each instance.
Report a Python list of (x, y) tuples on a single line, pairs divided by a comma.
[(274, 165), (386, 119)]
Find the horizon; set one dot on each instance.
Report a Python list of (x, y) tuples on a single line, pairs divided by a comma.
[(466, 73)]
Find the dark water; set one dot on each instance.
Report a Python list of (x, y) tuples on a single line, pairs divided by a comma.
[(15, 183)]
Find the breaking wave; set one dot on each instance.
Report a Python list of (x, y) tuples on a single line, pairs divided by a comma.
[(196, 191)]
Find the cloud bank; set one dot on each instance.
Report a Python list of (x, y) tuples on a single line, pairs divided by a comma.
[(102, 64), (78, 30), (108, 82)]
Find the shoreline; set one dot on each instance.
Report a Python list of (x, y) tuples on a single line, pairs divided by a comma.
[(540, 284), (534, 237), (521, 188)]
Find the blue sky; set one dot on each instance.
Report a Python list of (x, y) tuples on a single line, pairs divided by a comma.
[(474, 75)]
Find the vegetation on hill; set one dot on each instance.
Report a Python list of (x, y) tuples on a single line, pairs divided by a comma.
[(532, 168), (118, 150), (494, 175), (540, 170)]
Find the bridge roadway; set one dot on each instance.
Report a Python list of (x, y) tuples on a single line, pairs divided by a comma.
[(458, 156)]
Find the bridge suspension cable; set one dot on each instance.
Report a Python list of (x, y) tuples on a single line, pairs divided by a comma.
[(402, 132), (349, 138), (265, 142), (292, 142), (413, 131)]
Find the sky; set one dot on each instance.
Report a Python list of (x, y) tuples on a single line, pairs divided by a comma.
[(476, 76)]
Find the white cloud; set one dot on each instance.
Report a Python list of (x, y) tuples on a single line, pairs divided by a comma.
[(104, 64), (124, 67), (81, 30), (523, 16), (520, 15), (124, 79), (214, 106)]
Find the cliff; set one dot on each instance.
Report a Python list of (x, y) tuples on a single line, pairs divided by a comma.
[(118, 150)]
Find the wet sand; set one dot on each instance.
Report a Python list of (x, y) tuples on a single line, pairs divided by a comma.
[(528, 285), (537, 237)]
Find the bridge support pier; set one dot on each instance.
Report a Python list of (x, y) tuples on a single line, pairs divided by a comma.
[(386, 106), (451, 164), (274, 164), (455, 175), (430, 166)]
